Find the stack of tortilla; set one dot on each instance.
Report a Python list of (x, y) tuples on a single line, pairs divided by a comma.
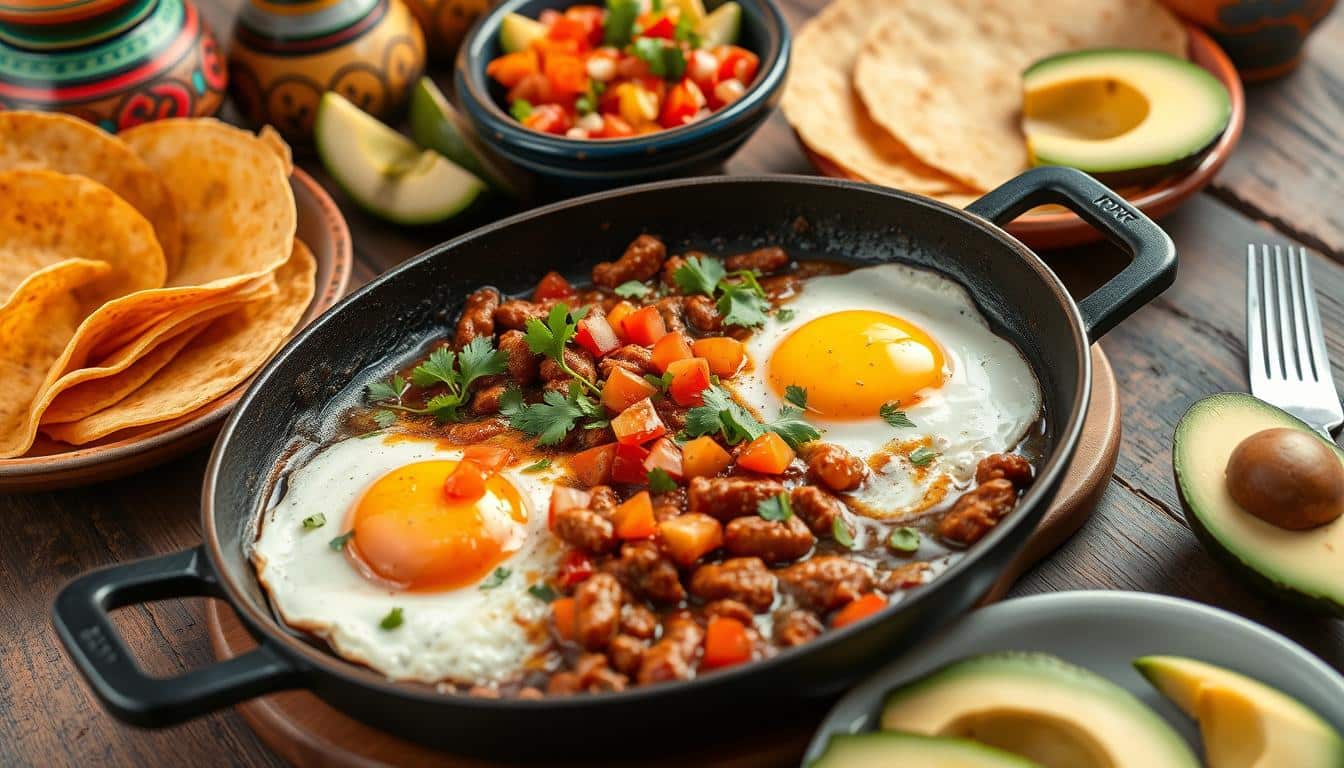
[(927, 96), (142, 276)]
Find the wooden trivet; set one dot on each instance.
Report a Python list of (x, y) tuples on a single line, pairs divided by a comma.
[(307, 732)]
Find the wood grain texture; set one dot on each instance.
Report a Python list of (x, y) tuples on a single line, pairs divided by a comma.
[(1289, 173)]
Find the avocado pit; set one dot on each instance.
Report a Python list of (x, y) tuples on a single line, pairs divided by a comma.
[(1286, 477)]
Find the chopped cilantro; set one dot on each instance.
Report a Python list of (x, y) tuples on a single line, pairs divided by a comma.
[(741, 302), (660, 481), (632, 289), (384, 418), (661, 382), (840, 532), (338, 543), (665, 60), (722, 415), (796, 395), (620, 22), (699, 275), (392, 620), (904, 540), (391, 390), (497, 577), (521, 109), (922, 455), (551, 419), (543, 592), (537, 466), (456, 372), (549, 339), (742, 305), (315, 521), (893, 415), (784, 315), (776, 508)]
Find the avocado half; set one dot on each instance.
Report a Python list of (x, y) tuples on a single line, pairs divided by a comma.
[(883, 749), (1301, 566), (1040, 708), (1124, 116), (1244, 723)]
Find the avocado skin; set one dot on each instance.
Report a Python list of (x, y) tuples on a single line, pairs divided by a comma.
[(1265, 585)]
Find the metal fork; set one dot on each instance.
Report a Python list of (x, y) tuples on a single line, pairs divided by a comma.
[(1285, 347)]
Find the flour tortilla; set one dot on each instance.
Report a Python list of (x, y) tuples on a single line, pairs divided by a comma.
[(944, 78)]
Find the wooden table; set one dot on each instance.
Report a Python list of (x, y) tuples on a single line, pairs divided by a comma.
[(1285, 181)]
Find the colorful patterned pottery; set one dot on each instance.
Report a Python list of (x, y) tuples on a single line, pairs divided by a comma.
[(116, 63), (287, 53), (445, 23), (1263, 37)]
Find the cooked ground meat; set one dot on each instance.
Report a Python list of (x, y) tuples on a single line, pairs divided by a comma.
[(522, 364), (578, 361), (730, 609), (977, 512), (472, 432), (826, 582), (642, 260), (597, 611), (1008, 466), (669, 504), (585, 529), (486, 400), (673, 312), (645, 572), (703, 314), (514, 313), (796, 627), (626, 654), (638, 621), (772, 541), (835, 467), (817, 508), (478, 317), (671, 657), (632, 357), (730, 497), (744, 579), (762, 260), (671, 266)]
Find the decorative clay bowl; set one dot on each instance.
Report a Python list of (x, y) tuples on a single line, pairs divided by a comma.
[(1263, 37), (445, 24)]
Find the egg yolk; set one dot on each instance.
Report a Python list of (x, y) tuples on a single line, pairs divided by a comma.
[(853, 362), (407, 531)]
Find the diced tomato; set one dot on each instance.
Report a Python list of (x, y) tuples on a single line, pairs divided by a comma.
[(725, 355), (548, 17), (739, 63), (703, 67), (665, 455), (568, 74), (668, 350), (617, 314), (638, 424), (596, 335), (632, 68), (575, 568), (466, 483), (633, 518), (628, 465), (861, 608), (549, 118), (573, 27), (689, 537), (534, 89), (657, 25), (623, 389), (644, 326), (684, 101), (593, 466), (703, 457), (590, 16), (726, 643), (491, 458), (510, 69), (552, 285), (564, 499), (564, 616), (767, 454), (548, 47), (690, 378), (615, 127)]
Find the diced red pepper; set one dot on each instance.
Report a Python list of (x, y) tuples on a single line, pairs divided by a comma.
[(596, 335), (859, 609), (565, 616), (657, 25), (575, 568), (668, 350), (466, 483), (633, 518), (564, 499), (615, 127), (683, 103), (549, 118), (568, 74), (569, 27), (491, 458), (548, 47), (644, 326), (739, 63), (553, 286), (623, 389), (665, 455), (510, 69), (703, 68), (767, 454), (690, 378), (616, 317), (591, 17), (593, 466), (628, 466), (726, 643), (638, 424)]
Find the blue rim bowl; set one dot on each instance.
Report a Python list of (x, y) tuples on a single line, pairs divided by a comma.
[(603, 163)]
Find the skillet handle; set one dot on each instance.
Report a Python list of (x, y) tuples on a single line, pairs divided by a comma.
[(1153, 268), (80, 616)]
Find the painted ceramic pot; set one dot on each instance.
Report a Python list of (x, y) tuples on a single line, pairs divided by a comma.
[(116, 63), (287, 53), (445, 23), (1263, 37)]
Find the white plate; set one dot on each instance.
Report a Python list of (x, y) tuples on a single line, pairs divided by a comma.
[(1105, 632)]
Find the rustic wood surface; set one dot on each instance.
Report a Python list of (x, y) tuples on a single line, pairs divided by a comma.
[(1285, 182)]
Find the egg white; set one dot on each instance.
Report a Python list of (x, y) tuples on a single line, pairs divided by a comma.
[(465, 635), (986, 405)]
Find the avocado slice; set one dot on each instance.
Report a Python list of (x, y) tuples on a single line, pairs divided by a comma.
[(1038, 707), (1301, 566), (722, 26), (385, 172), (1244, 723), (516, 32), (884, 749), (1124, 116), (436, 124)]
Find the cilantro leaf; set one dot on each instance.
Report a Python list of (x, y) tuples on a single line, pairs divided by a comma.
[(660, 481), (537, 466), (724, 416), (796, 395), (620, 22), (840, 532), (382, 391), (632, 289), (337, 544), (478, 359), (776, 508), (549, 338), (904, 540), (551, 419), (543, 592), (893, 415), (314, 521), (444, 407), (665, 60), (791, 426), (686, 31), (661, 382), (384, 418), (742, 306), (495, 578), (699, 275), (784, 315), (922, 455), (392, 620), (438, 369)]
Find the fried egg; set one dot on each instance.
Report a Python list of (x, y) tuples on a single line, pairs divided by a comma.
[(895, 334), (439, 562)]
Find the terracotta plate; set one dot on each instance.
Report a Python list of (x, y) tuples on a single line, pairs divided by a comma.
[(1056, 228), (53, 465)]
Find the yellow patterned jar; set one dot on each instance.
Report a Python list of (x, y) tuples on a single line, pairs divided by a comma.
[(445, 23), (287, 53)]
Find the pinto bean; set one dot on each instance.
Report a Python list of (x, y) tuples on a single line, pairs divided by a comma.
[(977, 512), (703, 314), (522, 364), (642, 260), (597, 611), (817, 508), (1008, 466), (478, 317), (514, 313), (632, 357), (644, 571), (796, 627), (774, 541), (671, 657), (730, 497), (744, 579), (835, 467), (762, 260), (585, 529), (825, 583)]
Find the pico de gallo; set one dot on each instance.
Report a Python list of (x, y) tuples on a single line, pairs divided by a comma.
[(629, 68)]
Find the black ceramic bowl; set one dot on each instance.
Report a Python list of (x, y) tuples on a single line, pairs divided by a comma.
[(296, 401), (592, 164)]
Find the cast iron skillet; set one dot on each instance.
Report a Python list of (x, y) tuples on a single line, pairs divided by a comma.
[(293, 402)]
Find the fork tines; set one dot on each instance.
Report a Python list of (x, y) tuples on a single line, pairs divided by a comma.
[(1284, 337)]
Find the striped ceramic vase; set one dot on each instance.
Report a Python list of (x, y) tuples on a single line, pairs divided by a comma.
[(116, 63), (287, 53)]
